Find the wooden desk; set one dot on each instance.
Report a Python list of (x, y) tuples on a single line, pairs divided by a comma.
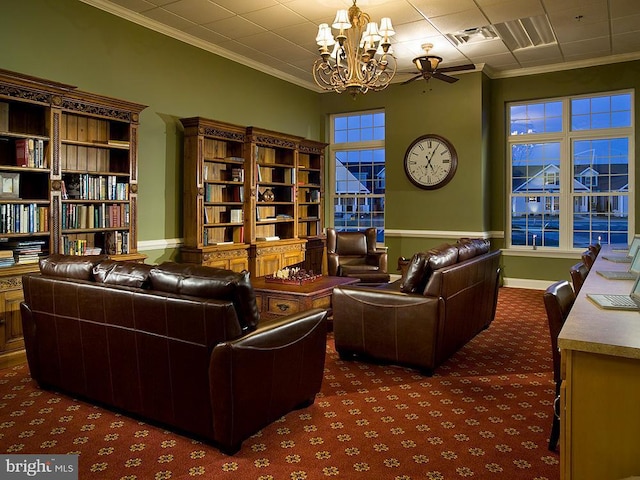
[(600, 394), (283, 299)]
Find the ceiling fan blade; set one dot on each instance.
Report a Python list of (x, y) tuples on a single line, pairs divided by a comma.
[(412, 79), (446, 78), (457, 68)]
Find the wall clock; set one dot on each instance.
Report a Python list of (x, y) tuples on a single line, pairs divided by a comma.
[(430, 161)]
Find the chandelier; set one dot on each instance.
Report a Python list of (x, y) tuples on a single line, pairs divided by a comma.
[(360, 59)]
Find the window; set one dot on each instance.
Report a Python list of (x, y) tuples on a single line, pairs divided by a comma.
[(357, 146), (571, 176)]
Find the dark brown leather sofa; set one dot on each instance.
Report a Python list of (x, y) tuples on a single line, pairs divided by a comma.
[(178, 344), (445, 297)]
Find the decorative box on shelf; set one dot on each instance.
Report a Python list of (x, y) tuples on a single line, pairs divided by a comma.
[(292, 276)]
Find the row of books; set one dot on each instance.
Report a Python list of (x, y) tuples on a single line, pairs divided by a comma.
[(30, 153), (83, 186), (94, 216), (23, 218), (22, 252), (78, 246), (116, 243), (215, 172), (223, 193), (214, 214)]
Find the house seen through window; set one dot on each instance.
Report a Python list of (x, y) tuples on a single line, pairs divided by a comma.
[(571, 175), (358, 150)]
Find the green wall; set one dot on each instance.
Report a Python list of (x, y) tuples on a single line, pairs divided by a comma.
[(454, 111), (71, 42)]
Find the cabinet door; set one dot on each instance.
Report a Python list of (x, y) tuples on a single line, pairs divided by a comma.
[(268, 263), (238, 264), (10, 321)]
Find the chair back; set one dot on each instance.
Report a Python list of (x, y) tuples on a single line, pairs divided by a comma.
[(558, 300), (578, 274), (588, 258)]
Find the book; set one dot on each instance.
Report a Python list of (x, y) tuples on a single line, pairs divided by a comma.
[(25, 152), (4, 117), (270, 238)]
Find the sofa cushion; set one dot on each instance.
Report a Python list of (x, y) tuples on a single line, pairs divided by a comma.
[(466, 250), (208, 282), (414, 279), (442, 256), (70, 266), (129, 274), (481, 245)]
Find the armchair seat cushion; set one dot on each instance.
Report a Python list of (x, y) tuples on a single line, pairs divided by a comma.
[(351, 269)]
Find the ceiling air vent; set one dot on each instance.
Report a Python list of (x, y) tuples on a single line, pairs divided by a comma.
[(472, 35), (526, 32)]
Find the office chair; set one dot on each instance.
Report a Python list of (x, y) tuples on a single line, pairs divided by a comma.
[(558, 300), (588, 258), (578, 274)]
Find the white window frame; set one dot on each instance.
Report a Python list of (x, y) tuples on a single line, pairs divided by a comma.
[(353, 146), (566, 138)]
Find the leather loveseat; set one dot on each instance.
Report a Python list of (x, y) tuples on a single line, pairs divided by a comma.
[(445, 297), (178, 344)]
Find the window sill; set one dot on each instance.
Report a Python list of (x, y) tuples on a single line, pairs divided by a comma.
[(540, 252)]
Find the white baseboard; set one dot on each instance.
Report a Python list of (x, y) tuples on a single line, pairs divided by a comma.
[(527, 283)]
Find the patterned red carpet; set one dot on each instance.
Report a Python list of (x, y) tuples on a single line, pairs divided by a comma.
[(485, 414)]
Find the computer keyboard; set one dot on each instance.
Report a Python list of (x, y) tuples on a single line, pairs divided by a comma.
[(620, 300)]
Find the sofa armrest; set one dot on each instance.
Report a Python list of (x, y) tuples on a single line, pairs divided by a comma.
[(386, 324), (260, 377)]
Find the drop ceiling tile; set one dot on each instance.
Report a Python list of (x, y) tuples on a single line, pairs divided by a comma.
[(205, 34), (630, 23), (579, 32), (538, 55), (623, 8), (274, 45), (626, 43), (512, 10), (167, 18), (303, 34), (161, 3), (414, 31), (586, 13), (459, 21), (315, 12), (276, 16), (573, 5), (135, 5), (199, 11), (400, 11), (594, 47), (234, 27), (436, 8), (498, 62), (245, 6), (486, 48)]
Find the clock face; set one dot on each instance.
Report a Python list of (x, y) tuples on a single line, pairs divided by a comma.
[(430, 161)]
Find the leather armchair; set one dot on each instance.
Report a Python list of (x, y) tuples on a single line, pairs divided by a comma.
[(354, 254)]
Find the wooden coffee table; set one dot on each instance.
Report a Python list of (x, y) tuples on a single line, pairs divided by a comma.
[(284, 299)]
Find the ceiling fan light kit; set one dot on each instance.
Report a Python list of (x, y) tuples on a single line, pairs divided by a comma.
[(428, 66), (359, 58)]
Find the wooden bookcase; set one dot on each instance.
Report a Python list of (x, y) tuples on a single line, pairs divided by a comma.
[(50, 134), (252, 196), (214, 194)]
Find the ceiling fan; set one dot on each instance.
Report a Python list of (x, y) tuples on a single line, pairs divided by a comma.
[(428, 67)]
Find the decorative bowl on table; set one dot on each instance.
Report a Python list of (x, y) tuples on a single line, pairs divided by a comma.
[(292, 276)]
